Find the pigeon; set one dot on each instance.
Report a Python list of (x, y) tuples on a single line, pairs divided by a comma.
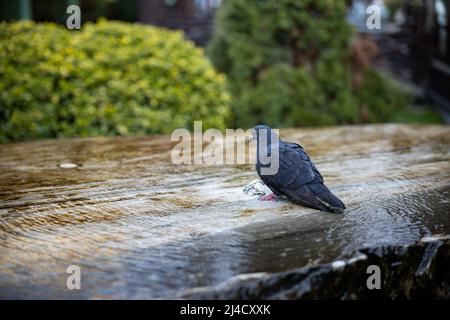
[(297, 178)]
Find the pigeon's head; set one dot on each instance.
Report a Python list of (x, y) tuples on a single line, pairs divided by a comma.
[(263, 131)]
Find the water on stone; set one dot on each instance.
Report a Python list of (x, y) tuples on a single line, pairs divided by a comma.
[(139, 226)]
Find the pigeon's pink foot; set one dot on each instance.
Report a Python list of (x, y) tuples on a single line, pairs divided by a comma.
[(269, 197)]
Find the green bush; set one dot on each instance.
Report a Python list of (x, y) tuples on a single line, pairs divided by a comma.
[(288, 63), (110, 78)]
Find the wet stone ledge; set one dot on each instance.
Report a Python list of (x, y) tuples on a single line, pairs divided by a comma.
[(417, 271), (140, 226)]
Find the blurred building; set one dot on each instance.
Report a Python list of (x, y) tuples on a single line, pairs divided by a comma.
[(431, 50), (414, 44), (195, 17), (425, 35)]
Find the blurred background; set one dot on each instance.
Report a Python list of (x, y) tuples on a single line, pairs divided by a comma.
[(145, 67)]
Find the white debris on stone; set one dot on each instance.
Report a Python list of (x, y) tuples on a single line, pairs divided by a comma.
[(68, 165), (435, 237), (338, 264), (357, 258), (257, 188)]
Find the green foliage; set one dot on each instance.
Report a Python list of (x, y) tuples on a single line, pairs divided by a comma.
[(288, 64), (418, 114), (380, 98), (110, 78)]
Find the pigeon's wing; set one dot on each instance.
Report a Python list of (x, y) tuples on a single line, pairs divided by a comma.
[(302, 153), (326, 197), (300, 180), (305, 196), (295, 169)]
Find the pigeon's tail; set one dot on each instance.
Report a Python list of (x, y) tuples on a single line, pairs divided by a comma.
[(324, 195)]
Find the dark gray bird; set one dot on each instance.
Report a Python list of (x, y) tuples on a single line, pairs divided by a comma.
[(297, 177)]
